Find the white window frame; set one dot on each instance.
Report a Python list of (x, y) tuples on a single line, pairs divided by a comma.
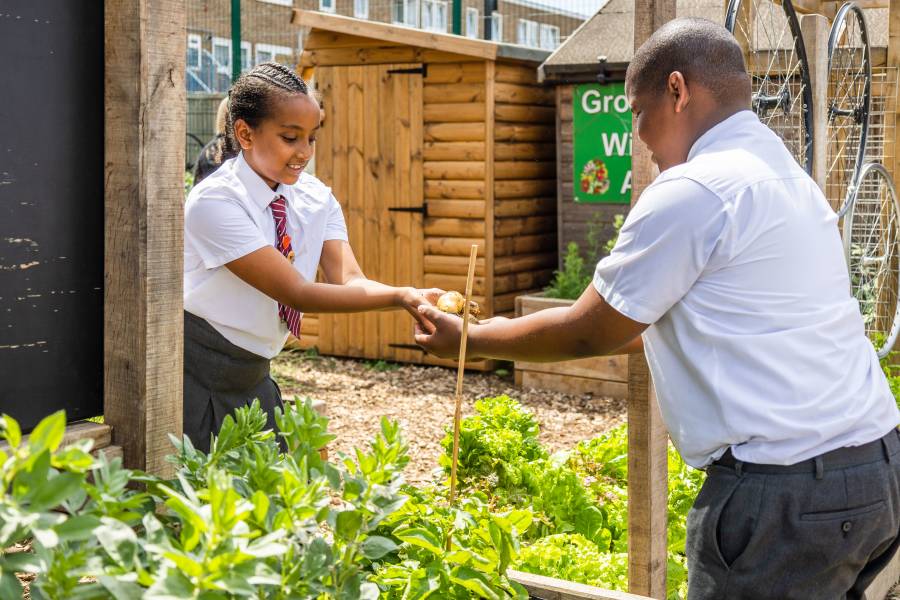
[(549, 36), (224, 68), (431, 9), (410, 9), (195, 42), (272, 49), (472, 17), (496, 26), (279, 2), (361, 9), (327, 6), (249, 64), (527, 33)]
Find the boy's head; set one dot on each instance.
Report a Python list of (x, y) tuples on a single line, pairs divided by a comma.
[(688, 76), (273, 118)]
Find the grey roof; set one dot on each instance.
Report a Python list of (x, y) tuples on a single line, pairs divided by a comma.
[(610, 34)]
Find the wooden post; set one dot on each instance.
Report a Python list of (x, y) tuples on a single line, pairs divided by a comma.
[(144, 170), (815, 31), (893, 61), (647, 439)]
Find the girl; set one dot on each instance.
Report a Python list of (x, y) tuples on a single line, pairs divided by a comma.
[(255, 233)]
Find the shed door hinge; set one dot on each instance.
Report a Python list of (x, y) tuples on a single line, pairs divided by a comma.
[(423, 71), (423, 210)]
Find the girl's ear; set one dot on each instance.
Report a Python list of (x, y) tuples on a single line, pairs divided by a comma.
[(243, 133)]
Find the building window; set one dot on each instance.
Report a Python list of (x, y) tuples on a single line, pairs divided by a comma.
[(527, 33), (549, 36), (269, 52), (361, 9), (246, 53), (326, 5), (496, 26), (405, 12), (194, 47), (434, 15), (471, 22), (222, 55)]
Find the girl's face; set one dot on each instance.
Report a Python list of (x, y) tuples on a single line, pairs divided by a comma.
[(281, 146)]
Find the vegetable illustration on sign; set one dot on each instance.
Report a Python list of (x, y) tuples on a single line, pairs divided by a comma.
[(602, 144)]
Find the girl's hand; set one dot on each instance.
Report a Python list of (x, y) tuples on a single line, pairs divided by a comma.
[(411, 299)]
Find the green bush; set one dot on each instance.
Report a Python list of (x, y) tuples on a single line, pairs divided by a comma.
[(577, 273)]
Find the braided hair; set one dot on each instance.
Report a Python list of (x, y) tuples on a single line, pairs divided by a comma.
[(251, 97)]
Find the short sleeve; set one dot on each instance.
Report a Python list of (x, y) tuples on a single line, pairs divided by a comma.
[(220, 231), (663, 248), (335, 227)]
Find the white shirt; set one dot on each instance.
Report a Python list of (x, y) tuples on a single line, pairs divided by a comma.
[(755, 341), (227, 215)]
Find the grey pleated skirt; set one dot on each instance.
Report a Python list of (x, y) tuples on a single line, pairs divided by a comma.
[(220, 377)]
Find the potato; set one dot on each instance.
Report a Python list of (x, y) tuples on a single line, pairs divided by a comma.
[(453, 303)]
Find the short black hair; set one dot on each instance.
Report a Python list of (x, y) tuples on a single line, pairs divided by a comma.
[(702, 51), (250, 98)]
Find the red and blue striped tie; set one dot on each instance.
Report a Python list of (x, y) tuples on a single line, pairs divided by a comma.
[(290, 316)]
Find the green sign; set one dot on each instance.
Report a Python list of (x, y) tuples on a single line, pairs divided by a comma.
[(602, 144)]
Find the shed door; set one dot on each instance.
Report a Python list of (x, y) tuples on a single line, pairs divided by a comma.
[(370, 153)]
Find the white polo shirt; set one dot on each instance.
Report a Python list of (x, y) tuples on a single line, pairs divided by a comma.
[(755, 341), (226, 216)]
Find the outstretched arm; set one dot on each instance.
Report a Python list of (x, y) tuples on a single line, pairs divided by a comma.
[(590, 327)]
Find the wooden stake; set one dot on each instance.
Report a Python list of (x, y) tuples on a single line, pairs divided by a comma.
[(473, 255)]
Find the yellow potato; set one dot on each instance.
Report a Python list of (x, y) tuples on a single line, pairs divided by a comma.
[(453, 303)]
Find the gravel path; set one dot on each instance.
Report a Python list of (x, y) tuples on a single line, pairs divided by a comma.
[(357, 393)]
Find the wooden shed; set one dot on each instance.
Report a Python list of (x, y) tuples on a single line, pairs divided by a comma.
[(431, 143), (587, 73)]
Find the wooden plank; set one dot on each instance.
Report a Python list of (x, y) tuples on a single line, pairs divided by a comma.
[(451, 246), (340, 153), (451, 265), (454, 189), (144, 214), (110, 452), (525, 280), (342, 57), (99, 433), (524, 188), (453, 92), (443, 151), (524, 225), (607, 368), (524, 262), (563, 203), (524, 244), (454, 227), (549, 588), (464, 72), (521, 169), (396, 34), (507, 302), (325, 172), (456, 132), (321, 39), (489, 200), (522, 207), (524, 151), (647, 439), (463, 209), (523, 113), (512, 132), (357, 94), (509, 73), (473, 170), (454, 282), (454, 112), (570, 384), (512, 93)]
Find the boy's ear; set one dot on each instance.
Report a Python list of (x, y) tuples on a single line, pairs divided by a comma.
[(678, 90), (243, 133)]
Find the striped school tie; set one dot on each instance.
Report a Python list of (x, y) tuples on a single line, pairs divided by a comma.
[(290, 316)]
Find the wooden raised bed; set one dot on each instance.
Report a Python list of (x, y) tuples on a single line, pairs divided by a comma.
[(549, 588), (599, 375)]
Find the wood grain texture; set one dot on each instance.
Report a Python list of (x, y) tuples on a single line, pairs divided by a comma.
[(144, 207), (550, 588)]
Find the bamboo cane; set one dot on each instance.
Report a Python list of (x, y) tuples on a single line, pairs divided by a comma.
[(473, 254)]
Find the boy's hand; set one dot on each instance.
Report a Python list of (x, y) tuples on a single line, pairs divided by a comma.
[(440, 333)]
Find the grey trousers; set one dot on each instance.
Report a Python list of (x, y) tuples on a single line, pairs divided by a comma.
[(218, 378), (818, 530)]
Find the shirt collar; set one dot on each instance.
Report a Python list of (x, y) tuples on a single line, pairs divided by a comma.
[(260, 192), (738, 119)]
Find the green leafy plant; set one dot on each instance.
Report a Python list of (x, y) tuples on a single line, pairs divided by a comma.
[(577, 272)]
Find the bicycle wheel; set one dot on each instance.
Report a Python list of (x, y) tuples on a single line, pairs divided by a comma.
[(849, 97), (775, 55), (871, 244)]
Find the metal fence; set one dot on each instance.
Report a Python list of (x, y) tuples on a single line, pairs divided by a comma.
[(266, 33)]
